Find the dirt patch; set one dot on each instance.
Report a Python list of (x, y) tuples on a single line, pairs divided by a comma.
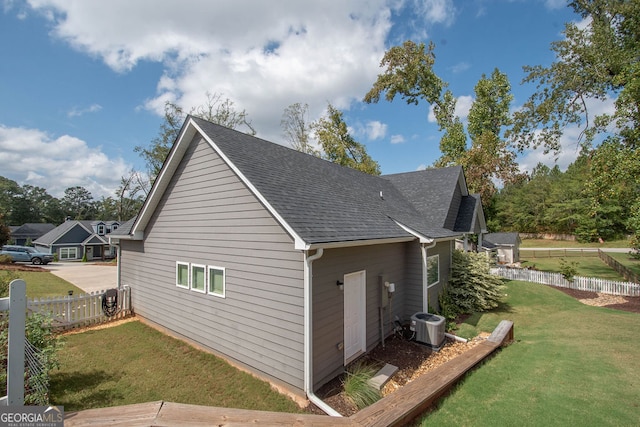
[(617, 302), (411, 358), (21, 267)]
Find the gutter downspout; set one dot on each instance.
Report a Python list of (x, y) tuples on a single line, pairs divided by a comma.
[(308, 341), (425, 278)]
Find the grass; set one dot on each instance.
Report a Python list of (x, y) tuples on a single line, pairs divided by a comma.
[(133, 363), (42, 284), (627, 260), (356, 386), (545, 243), (591, 266), (571, 364)]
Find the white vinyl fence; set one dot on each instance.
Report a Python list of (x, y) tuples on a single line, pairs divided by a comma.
[(84, 309), (591, 284)]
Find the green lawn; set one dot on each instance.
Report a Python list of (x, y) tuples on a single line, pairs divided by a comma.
[(627, 260), (133, 363), (571, 364), (591, 266), (42, 283)]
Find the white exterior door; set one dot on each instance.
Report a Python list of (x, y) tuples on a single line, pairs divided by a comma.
[(354, 315)]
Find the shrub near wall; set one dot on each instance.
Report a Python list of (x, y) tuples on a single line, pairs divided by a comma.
[(471, 288)]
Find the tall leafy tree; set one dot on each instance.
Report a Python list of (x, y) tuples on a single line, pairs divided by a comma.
[(339, 146), (295, 126), (78, 203), (597, 60), (216, 109)]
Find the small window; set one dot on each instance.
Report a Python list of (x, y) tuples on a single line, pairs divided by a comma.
[(198, 277), (114, 227), (101, 229), (433, 270), (182, 274), (216, 281)]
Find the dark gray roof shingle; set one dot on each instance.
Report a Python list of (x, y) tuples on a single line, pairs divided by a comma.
[(324, 202)]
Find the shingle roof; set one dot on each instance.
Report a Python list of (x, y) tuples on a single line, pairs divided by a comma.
[(505, 238), (322, 201), (31, 229)]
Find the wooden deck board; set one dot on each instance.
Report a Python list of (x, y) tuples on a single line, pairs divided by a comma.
[(142, 414), (173, 414)]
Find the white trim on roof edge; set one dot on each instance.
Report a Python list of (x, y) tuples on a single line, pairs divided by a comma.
[(190, 128), (299, 242)]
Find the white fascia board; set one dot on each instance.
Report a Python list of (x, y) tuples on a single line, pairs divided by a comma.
[(299, 243), (421, 237), (354, 243), (162, 180)]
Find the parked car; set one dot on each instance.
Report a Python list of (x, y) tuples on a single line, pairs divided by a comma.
[(26, 254)]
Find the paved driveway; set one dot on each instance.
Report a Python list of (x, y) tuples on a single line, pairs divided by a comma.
[(89, 277)]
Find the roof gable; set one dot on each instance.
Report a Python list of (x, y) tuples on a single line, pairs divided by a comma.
[(317, 202)]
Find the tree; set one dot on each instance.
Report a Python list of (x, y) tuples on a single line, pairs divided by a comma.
[(5, 232), (296, 129), (597, 61), (216, 110), (453, 144), (130, 195), (409, 72), (339, 146), (78, 203)]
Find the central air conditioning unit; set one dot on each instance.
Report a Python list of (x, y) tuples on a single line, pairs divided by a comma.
[(429, 329)]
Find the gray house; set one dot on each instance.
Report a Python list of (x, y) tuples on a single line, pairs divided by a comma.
[(27, 233), (282, 262), (74, 239)]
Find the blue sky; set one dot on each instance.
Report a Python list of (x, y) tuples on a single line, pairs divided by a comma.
[(82, 82)]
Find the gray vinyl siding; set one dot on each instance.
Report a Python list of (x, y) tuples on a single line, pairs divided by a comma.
[(75, 235), (413, 296), (328, 301), (208, 216)]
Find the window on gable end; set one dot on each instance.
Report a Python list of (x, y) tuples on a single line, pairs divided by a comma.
[(216, 281), (182, 274)]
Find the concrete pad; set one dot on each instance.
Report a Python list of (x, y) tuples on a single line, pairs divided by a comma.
[(382, 376), (88, 276)]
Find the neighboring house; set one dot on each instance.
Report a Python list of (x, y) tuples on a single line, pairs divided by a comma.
[(278, 260), (506, 246), (27, 233), (72, 239)]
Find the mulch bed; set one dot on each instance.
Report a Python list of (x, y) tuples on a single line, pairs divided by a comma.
[(21, 267), (631, 304)]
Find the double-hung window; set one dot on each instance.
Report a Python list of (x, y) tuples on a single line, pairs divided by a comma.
[(182, 274), (198, 278), (216, 281)]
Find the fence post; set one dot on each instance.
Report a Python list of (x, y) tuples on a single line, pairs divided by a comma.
[(15, 354)]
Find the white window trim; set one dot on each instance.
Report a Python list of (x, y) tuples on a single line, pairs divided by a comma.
[(102, 229), (68, 250), (437, 256), (224, 281), (191, 280), (179, 263)]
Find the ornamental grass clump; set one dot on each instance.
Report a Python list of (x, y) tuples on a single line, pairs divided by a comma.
[(471, 288), (356, 385)]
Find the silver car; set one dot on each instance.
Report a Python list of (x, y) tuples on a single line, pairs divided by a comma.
[(26, 254)]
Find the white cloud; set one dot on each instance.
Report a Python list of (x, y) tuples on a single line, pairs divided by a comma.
[(437, 11), (376, 130), (30, 156), (463, 105), (397, 139), (77, 112), (460, 67), (555, 4), (262, 55)]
